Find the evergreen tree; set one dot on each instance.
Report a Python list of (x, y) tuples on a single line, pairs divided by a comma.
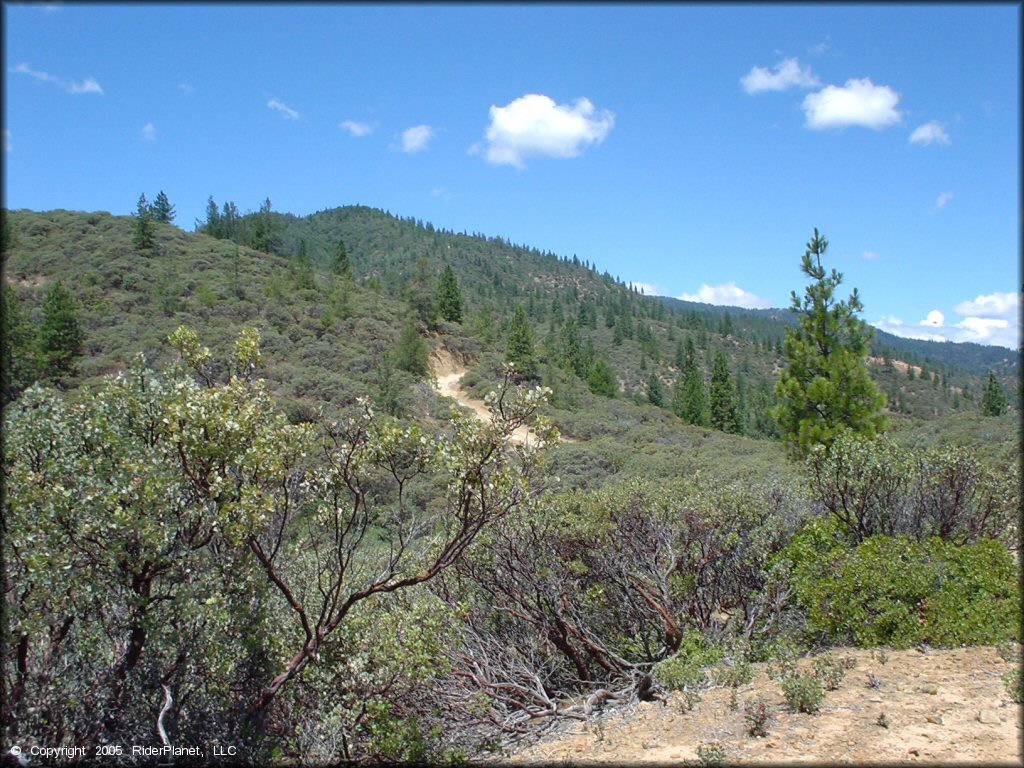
[(340, 263), (17, 357), (60, 336), (212, 225), (993, 399), (656, 393), (144, 224), (163, 211), (449, 299), (519, 345), (602, 379), (724, 408), (411, 351), (826, 387)]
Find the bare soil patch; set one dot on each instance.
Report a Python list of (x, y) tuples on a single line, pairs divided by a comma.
[(942, 706)]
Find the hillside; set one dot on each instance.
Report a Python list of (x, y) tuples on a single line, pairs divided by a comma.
[(303, 549)]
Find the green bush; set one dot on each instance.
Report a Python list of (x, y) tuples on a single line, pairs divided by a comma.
[(803, 693), (1014, 682), (830, 671), (894, 591)]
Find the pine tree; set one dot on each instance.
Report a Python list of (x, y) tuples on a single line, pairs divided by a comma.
[(163, 211), (144, 224), (340, 263), (411, 350), (690, 401), (602, 379), (826, 387), (449, 300), (656, 394), (519, 345), (993, 399), (17, 357), (60, 336), (724, 414)]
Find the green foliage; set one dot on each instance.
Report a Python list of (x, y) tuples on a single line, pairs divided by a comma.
[(1014, 684), (145, 227), (892, 590), (162, 210), (519, 349), (656, 392), (449, 299), (830, 671), (757, 714), (60, 334), (826, 387), (803, 693), (18, 363), (724, 414), (993, 399), (689, 400), (602, 380), (340, 262), (711, 754), (411, 350)]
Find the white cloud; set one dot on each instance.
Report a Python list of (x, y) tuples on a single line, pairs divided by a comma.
[(355, 128), (729, 295), (535, 126), (7, 140), (442, 193), (149, 132), (89, 85), (942, 200), (286, 111), (859, 102), (649, 289), (870, 255), (932, 132), (415, 139), (991, 319), (788, 74), (992, 305)]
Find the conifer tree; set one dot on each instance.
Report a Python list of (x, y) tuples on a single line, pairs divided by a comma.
[(17, 357), (690, 401), (340, 263), (826, 388), (724, 415), (519, 345), (163, 211), (993, 399), (144, 224), (602, 379), (60, 335), (411, 351), (449, 299), (656, 394)]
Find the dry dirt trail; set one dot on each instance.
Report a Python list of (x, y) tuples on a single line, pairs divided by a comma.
[(942, 706), (448, 371)]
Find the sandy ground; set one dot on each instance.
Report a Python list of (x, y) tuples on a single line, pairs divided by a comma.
[(942, 706)]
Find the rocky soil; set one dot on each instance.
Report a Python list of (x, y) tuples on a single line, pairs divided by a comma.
[(940, 705)]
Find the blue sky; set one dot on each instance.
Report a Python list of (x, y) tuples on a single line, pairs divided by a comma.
[(691, 149)]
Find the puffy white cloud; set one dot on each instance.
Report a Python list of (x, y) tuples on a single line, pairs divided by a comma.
[(286, 111), (992, 305), (930, 133), (859, 102), (788, 74), (355, 128), (416, 138), (942, 200), (989, 319), (729, 295), (648, 289), (89, 85), (149, 132), (535, 126)]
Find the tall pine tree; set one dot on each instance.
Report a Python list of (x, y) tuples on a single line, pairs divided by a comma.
[(826, 388), (724, 411), (449, 300), (60, 335), (519, 348)]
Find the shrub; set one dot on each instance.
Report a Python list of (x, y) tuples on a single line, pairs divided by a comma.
[(1014, 682), (829, 671), (756, 714), (712, 753), (803, 693), (892, 590)]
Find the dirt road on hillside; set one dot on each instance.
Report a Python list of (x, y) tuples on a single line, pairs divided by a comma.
[(448, 385)]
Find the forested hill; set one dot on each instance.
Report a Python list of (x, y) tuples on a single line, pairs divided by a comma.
[(347, 300)]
